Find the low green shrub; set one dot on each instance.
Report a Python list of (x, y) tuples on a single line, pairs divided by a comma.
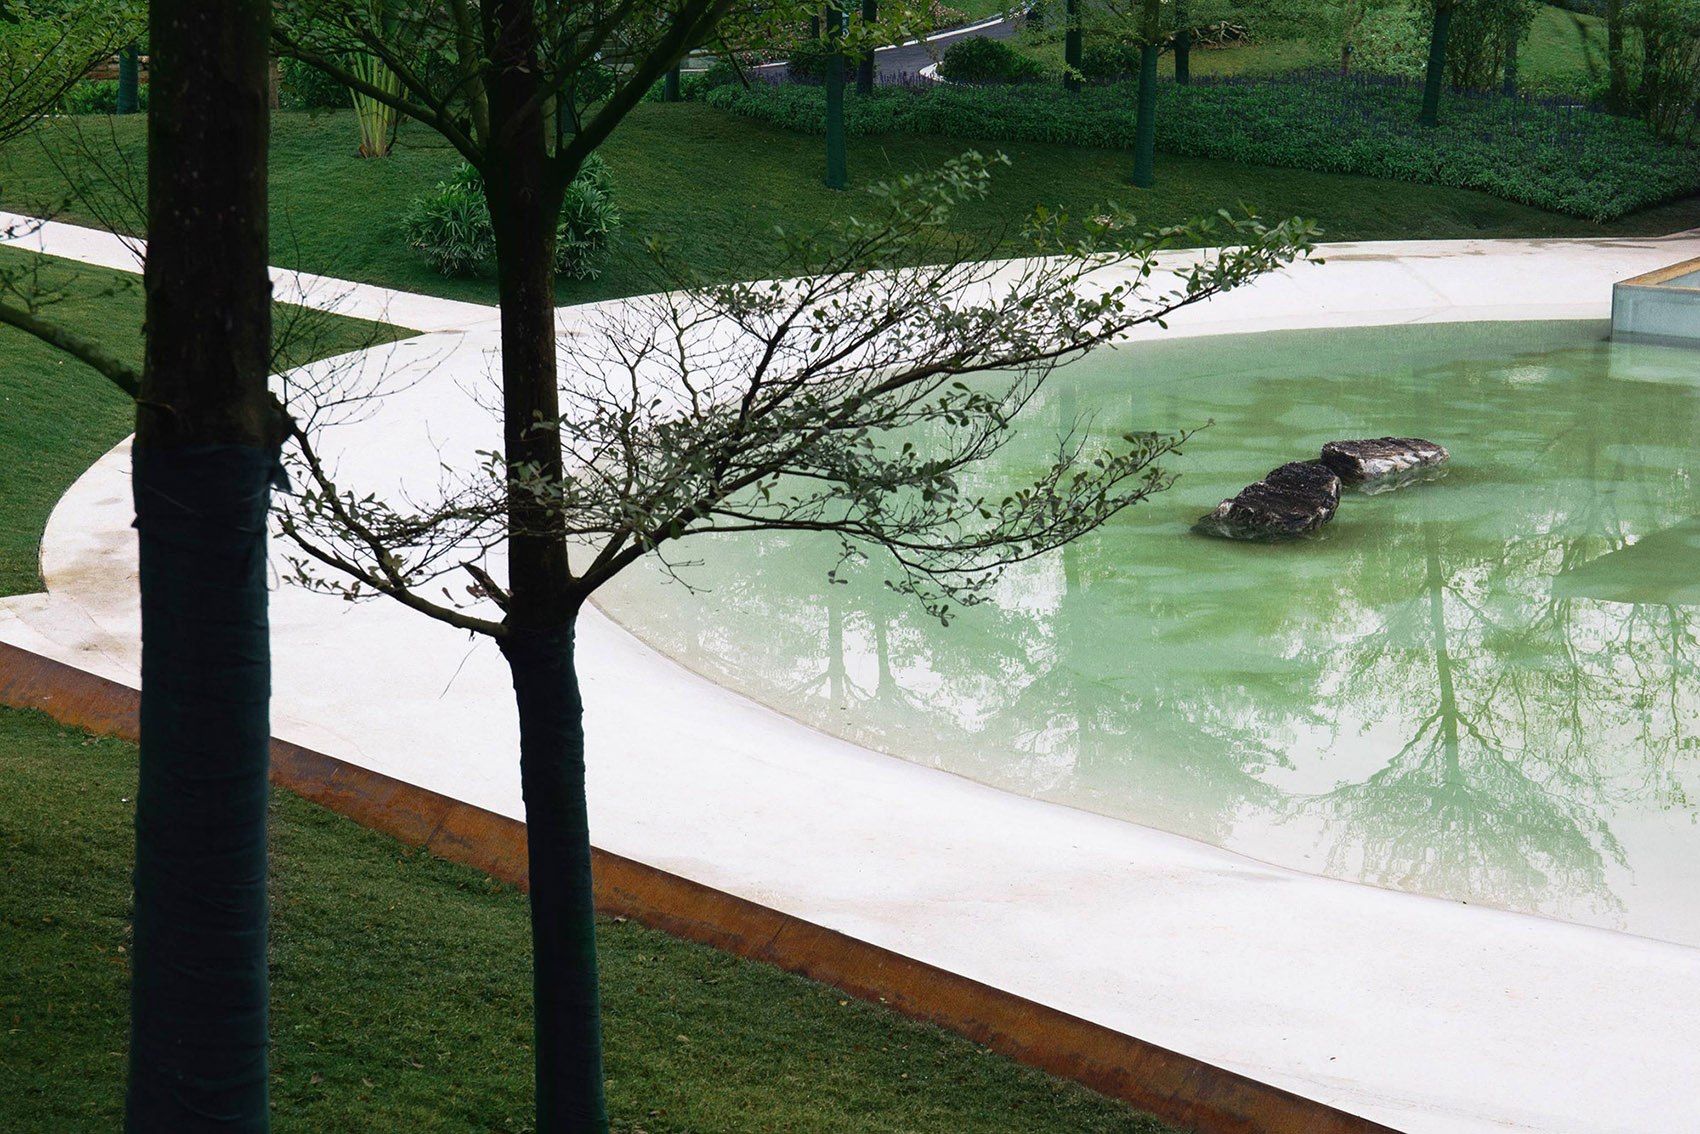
[(97, 97), (982, 60), (810, 58), (1565, 159), (1106, 61), (301, 87), (452, 225)]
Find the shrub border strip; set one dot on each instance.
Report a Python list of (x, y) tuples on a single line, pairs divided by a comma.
[(1177, 1088)]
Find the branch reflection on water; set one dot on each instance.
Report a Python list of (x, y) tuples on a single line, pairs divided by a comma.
[(1471, 688)]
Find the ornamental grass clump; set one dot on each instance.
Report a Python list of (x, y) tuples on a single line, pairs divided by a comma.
[(378, 119), (452, 226)]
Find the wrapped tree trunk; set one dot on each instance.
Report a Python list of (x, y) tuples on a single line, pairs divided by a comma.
[(129, 79), (205, 454), (1072, 46), (1436, 71), (1509, 86), (1617, 69), (1183, 45), (570, 1093), (837, 159), (865, 68), (1145, 124)]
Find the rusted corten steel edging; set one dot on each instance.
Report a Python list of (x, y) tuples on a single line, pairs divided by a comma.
[(1175, 1087)]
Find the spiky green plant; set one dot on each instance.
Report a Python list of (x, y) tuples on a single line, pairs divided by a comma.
[(452, 225), (378, 120)]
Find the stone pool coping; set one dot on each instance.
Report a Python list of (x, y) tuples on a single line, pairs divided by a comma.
[(1421, 1014)]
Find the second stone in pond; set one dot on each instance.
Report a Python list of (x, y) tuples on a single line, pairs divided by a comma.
[(1293, 500), (1382, 457)]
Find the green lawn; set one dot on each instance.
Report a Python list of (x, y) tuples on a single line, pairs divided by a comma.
[(716, 185), (401, 993), (1564, 51), (57, 415)]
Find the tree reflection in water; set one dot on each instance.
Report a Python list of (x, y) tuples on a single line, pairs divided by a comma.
[(1483, 688)]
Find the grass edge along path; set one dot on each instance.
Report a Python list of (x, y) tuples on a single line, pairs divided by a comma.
[(57, 416), (400, 981)]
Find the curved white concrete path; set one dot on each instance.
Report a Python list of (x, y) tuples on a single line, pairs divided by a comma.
[(1427, 1015)]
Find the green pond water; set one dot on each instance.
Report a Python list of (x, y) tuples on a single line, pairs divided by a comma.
[(1483, 688)]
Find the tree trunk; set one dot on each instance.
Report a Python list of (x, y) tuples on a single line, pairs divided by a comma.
[(524, 192), (837, 160), (1145, 125), (1512, 35), (1072, 46), (129, 79), (1617, 70), (1430, 115), (563, 927), (670, 86), (205, 454), (1183, 45), (865, 69)]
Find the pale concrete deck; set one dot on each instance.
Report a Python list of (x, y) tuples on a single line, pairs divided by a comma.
[(1423, 1014)]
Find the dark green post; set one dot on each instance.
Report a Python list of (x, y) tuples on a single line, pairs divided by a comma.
[(1072, 45), (129, 79), (1617, 72), (865, 69), (1145, 125), (837, 161), (1509, 87), (670, 85), (1183, 45), (1436, 72)]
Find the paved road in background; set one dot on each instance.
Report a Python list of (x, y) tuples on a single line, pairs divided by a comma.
[(895, 64)]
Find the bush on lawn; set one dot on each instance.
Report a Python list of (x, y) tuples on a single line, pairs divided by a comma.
[(982, 60), (1565, 159), (1106, 61), (98, 97), (452, 225), (301, 87)]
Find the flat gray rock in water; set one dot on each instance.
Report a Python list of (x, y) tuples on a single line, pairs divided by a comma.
[(1293, 500), (1383, 463)]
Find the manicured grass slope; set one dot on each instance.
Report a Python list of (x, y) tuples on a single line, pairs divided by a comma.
[(401, 992), (1579, 163), (716, 184), (1563, 51), (58, 416)]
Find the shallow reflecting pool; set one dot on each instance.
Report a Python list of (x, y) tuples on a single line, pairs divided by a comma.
[(1483, 688)]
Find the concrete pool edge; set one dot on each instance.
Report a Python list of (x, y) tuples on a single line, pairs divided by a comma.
[(1655, 308), (1177, 1088)]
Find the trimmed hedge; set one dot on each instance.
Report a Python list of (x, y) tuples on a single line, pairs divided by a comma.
[(1565, 159)]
